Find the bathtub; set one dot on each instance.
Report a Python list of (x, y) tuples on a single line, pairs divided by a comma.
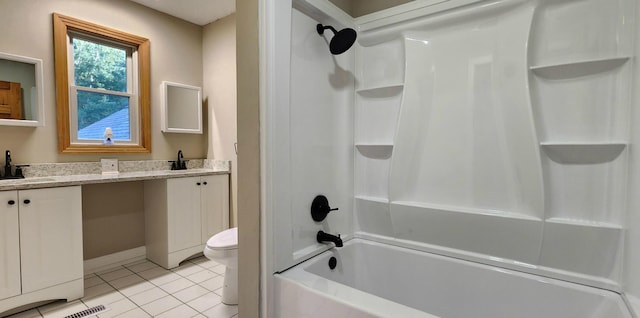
[(379, 280)]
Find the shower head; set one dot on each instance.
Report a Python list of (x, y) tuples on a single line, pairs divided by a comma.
[(342, 40)]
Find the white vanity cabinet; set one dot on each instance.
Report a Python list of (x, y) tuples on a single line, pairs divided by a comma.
[(40, 246), (181, 214), (9, 245)]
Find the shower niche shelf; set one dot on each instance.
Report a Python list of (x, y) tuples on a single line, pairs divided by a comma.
[(578, 69), (581, 222), (372, 175), (582, 152), (376, 116), (381, 91), (379, 151), (372, 215), (372, 199)]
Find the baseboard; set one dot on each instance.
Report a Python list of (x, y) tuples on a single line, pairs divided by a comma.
[(113, 260)]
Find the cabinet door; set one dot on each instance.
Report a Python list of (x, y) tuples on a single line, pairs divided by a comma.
[(183, 213), (215, 205), (9, 245), (50, 236)]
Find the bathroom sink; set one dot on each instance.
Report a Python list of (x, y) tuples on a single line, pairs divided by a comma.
[(179, 171)]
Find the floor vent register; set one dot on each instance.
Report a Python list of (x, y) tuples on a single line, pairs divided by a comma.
[(88, 312)]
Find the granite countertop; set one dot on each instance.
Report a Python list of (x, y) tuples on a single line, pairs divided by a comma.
[(49, 181)]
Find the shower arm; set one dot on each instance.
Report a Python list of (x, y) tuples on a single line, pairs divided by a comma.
[(320, 28)]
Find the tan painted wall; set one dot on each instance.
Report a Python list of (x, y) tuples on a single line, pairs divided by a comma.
[(113, 216), (219, 92), (357, 8), (247, 55), (345, 5), (176, 55)]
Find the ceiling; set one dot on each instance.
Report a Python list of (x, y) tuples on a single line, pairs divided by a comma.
[(200, 12)]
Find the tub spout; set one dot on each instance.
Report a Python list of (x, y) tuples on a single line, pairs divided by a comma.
[(326, 237)]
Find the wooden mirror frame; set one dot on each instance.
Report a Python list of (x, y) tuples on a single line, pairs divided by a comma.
[(61, 26)]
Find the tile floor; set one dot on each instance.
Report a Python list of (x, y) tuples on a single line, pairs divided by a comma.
[(144, 289)]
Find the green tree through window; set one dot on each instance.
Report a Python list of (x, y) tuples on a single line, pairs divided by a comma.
[(101, 67)]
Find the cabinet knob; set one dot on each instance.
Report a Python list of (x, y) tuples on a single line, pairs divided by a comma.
[(11, 202), (27, 201), (198, 183), (205, 183)]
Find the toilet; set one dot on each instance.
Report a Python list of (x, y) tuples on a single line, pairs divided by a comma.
[(223, 248)]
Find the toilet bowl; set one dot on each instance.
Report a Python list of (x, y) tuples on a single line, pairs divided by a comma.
[(223, 248)]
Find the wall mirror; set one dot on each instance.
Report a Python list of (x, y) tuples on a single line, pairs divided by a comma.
[(182, 109), (21, 91)]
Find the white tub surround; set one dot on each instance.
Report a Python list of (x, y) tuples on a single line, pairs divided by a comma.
[(493, 131), (505, 135), (380, 280), (313, 146)]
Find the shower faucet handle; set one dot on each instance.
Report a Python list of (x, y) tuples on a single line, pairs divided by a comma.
[(320, 208)]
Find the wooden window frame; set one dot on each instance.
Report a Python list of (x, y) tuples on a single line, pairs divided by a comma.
[(62, 25)]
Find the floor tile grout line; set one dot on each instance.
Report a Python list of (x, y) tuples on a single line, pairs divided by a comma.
[(198, 311), (132, 309), (155, 286), (170, 295), (159, 286), (127, 297)]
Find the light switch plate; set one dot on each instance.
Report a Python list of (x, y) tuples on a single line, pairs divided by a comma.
[(109, 166)]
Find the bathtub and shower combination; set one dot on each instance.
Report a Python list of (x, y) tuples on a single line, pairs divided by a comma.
[(380, 280), (488, 144)]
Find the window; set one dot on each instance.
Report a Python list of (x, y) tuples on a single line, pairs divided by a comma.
[(102, 84)]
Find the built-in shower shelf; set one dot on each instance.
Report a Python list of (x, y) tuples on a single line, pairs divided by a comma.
[(583, 153), (376, 151), (467, 210), (580, 222), (381, 91), (372, 199), (578, 69)]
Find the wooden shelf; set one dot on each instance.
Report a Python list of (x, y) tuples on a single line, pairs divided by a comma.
[(583, 152), (578, 69)]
